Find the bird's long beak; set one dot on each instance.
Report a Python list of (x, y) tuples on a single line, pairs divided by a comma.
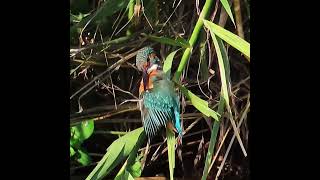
[(145, 79)]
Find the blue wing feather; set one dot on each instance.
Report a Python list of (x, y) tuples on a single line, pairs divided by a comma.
[(161, 105)]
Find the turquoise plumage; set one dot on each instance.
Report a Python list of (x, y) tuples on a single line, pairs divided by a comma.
[(160, 106)]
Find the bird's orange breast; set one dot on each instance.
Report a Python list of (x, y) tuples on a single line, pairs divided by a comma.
[(152, 74)]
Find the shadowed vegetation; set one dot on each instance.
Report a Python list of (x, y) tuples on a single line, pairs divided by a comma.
[(205, 48)]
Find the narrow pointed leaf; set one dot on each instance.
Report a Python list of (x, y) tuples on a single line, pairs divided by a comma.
[(84, 158), (164, 40), (171, 141), (199, 103), (84, 130), (168, 63), (117, 152), (232, 39), (213, 139), (135, 169), (72, 152), (224, 98), (111, 157), (226, 6), (224, 69)]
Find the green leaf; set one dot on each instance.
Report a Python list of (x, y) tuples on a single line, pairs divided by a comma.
[(108, 162), (124, 176), (133, 164), (83, 158), (224, 97), (135, 169), (75, 142), (164, 40), (171, 141), (226, 6), (83, 130), (232, 39), (212, 143), (168, 63), (117, 152), (72, 152), (132, 168), (199, 103), (222, 57)]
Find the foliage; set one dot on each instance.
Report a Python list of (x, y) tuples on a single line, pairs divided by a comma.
[(104, 38), (79, 134)]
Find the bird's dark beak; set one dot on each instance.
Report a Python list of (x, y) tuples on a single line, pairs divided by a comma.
[(145, 79)]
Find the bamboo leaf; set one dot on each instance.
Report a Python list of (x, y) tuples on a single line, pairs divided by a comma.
[(72, 152), (226, 6), (213, 139), (232, 39), (126, 175), (84, 130), (224, 70), (199, 103), (117, 152), (168, 63), (75, 142), (171, 141), (224, 99), (132, 165), (135, 169), (164, 40), (111, 157), (84, 158)]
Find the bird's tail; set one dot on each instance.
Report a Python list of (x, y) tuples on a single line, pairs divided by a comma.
[(178, 126)]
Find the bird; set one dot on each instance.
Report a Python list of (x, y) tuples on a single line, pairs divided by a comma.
[(159, 105)]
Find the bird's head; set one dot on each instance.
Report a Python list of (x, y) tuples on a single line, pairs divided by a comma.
[(146, 57), (147, 62)]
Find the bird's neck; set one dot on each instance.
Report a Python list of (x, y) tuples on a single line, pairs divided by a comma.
[(153, 73)]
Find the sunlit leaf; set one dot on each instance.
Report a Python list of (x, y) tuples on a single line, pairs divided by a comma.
[(135, 169), (232, 39), (171, 141), (224, 98), (126, 175), (168, 63), (84, 130), (75, 142), (226, 6), (108, 162), (117, 152), (199, 103), (83, 158), (72, 152)]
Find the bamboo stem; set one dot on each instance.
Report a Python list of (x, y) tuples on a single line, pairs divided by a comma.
[(193, 39)]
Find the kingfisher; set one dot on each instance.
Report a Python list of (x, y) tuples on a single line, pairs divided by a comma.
[(159, 105)]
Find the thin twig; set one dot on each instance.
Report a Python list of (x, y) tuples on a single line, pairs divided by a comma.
[(233, 137), (109, 69)]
